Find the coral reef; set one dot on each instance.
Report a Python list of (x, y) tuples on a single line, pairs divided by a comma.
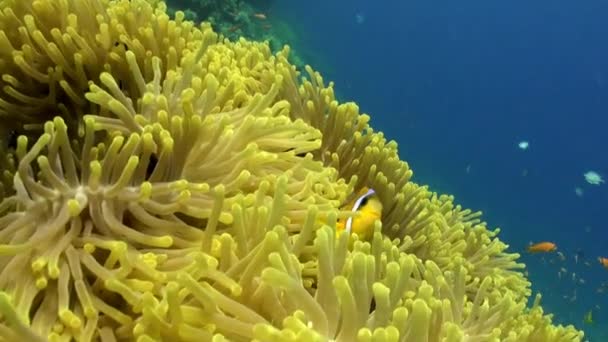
[(235, 19), (231, 18), (170, 186)]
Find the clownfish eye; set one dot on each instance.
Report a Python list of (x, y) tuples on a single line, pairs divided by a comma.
[(364, 201)]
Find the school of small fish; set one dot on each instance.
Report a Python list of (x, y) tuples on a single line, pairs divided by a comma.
[(593, 178), (564, 274)]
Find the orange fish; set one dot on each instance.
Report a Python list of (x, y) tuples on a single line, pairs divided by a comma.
[(603, 261), (260, 16), (542, 247)]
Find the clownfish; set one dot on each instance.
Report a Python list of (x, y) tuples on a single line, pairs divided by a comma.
[(542, 247), (367, 208)]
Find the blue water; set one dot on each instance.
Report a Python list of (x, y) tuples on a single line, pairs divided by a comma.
[(458, 84)]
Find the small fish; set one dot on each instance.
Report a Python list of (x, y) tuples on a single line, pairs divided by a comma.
[(234, 28), (593, 178), (588, 318), (573, 298), (360, 18), (367, 208), (603, 261), (523, 145), (260, 16), (542, 247)]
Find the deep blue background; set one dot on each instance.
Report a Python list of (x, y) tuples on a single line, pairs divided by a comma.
[(459, 84)]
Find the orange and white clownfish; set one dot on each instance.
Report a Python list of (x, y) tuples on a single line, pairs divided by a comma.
[(367, 208)]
